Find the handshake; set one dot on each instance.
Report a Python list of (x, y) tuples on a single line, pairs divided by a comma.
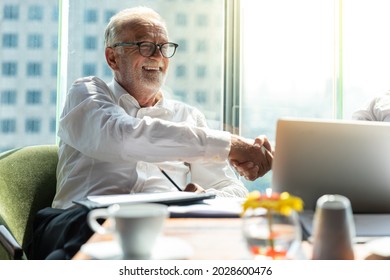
[(251, 159)]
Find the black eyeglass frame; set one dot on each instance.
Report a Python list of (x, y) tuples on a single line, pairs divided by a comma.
[(156, 46)]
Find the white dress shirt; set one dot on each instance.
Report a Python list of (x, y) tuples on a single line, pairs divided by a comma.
[(377, 110), (110, 145)]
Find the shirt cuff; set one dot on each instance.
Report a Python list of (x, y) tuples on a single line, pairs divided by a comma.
[(218, 145)]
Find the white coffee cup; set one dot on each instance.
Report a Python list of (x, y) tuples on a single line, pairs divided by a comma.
[(135, 226)]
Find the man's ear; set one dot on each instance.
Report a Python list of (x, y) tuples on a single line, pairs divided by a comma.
[(111, 58)]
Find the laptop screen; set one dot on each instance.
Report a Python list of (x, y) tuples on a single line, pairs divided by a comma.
[(316, 157)]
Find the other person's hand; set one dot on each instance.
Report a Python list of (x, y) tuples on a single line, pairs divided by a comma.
[(251, 160)]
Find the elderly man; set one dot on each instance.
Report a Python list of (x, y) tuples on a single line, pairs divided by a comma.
[(115, 138)]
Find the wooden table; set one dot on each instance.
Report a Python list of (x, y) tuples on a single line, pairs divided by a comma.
[(216, 239)]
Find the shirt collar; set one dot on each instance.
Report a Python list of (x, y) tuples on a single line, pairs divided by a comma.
[(119, 93)]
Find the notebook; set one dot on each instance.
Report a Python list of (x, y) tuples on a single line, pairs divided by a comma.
[(314, 157)]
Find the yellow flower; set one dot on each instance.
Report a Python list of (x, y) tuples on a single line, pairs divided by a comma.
[(282, 203)]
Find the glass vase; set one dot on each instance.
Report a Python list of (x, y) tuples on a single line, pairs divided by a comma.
[(271, 235)]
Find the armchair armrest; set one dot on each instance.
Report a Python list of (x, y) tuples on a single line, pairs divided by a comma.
[(10, 244)]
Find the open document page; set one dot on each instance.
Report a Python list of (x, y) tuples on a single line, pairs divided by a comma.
[(220, 207), (168, 198), (181, 204)]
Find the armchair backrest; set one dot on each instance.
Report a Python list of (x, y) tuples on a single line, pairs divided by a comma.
[(27, 184)]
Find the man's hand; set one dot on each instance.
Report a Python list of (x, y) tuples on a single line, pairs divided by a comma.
[(251, 159), (193, 187)]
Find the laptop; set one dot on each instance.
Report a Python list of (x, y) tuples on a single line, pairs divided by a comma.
[(314, 157)]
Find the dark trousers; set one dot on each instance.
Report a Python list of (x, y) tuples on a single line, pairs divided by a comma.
[(58, 234)]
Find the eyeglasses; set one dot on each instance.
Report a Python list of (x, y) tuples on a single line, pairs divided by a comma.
[(148, 49)]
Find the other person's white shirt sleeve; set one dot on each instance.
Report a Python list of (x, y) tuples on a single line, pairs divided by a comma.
[(377, 110)]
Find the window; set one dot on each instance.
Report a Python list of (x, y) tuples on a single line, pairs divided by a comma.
[(287, 70), (201, 71), (186, 25), (55, 14), (108, 15), (89, 69), (8, 126), (181, 71), (181, 19), (107, 70), (326, 69), (10, 40), (201, 46), (33, 126), (11, 12), (91, 16), (365, 53), (181, 95), (90, 43), (28, 46), (8, 97), (182, 45), (33, 97), (52, 125), (289, 67), (9, 69), (35, 13), (53, 97), (201, 96), (34, 69), (306, 70), (34, 41), (54, 42), (202, 20), (53, 70)]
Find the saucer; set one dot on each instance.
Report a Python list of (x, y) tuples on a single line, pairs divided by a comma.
[(166, 248)]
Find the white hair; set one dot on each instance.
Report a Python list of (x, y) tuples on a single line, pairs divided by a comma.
[(127, 17)]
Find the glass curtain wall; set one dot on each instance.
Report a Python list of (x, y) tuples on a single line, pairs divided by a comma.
[(28, 72), (366, 55), (195, 74), (309, 59), (287, 62), (287, 65), (300, 58)]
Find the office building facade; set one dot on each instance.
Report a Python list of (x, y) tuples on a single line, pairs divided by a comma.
[(30, 57)]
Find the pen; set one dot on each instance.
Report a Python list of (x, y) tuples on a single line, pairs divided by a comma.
[(169, 178)]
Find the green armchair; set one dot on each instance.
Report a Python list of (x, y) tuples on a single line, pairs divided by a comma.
[(27, 184)]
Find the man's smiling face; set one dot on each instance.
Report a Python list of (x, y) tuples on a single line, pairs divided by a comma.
[(141, 76)]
